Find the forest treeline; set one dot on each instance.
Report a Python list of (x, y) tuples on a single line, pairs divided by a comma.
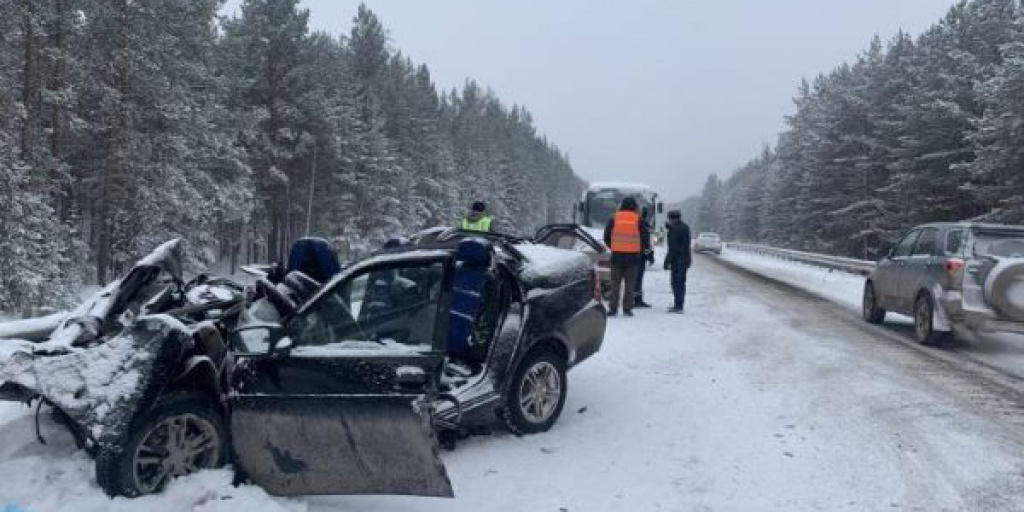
[(914, 130), (124, 123)]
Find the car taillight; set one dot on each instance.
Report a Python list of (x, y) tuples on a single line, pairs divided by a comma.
[(597, 285), (954, 266)]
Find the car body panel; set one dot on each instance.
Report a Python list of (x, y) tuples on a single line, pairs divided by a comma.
[(888, 275), (337, 425), (918, 269)]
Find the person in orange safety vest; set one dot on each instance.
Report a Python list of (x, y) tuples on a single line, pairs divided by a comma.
[(629, 239)]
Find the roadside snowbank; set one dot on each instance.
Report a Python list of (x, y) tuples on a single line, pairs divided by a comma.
[(839, 287)]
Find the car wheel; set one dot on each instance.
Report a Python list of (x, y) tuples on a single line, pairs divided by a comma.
[(924, 313), (872, 313), (537, 394), (182, 434)]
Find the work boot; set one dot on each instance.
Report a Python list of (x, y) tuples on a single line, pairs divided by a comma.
[(628, 312), (613, 312), (641, 304), (675, 309)]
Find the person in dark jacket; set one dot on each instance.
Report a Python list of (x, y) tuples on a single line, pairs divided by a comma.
[(647, 259), (678, 259), (628, 238)]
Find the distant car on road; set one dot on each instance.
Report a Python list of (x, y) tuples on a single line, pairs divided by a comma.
[(708, 242), (950, 275)]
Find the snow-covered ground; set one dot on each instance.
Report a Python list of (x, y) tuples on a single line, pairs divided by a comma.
[(1004, 352), (754, 399), (840, 287)]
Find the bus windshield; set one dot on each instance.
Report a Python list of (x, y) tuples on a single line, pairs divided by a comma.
[(602, 204)]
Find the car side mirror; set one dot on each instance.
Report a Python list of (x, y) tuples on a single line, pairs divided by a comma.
[(258, 339)]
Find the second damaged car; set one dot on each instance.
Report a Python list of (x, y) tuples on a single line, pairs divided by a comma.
[(305, 388)]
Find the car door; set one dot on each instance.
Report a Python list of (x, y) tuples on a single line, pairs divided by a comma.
[(574, 237), (347, 410), (569, 236), (922, 260), (889, 269)]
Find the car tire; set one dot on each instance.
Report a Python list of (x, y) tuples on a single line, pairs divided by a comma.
[(537, 393), (870, 310), (120, 470), (924, 321)]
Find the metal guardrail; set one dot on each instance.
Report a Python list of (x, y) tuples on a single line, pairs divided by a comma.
[(851, 265)]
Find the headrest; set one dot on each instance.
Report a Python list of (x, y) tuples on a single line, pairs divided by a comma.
[(395, 242), (474, 252), (313, 257)]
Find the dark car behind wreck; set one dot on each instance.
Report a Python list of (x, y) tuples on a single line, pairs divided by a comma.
[(340, 388)]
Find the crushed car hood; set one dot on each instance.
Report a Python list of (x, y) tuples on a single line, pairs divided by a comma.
[(100, 388), (106, 360)]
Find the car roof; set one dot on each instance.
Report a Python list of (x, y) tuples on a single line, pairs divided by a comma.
[(447, 239), (973, 225)]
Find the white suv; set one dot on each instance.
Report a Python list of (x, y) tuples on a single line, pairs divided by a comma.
[(708, 242)]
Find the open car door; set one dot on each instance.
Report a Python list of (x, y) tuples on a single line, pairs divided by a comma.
[(568, 236), (340, 401)]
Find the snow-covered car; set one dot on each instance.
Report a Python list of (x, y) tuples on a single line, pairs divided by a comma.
[(948, 275), (310, 389), (708, 242)]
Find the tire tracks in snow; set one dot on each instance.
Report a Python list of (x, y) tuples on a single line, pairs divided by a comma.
[(971, 396)]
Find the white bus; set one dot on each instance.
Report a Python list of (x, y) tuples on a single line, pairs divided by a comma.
[(602, 199)]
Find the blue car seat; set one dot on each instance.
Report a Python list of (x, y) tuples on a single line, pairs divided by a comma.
[(313, 257), (473, 261)]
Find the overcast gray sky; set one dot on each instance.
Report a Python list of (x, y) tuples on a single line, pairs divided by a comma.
[(664, 92)]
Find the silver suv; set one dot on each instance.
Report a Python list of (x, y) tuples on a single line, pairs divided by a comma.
[(964, 275)]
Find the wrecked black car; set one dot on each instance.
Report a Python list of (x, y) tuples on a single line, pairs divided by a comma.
[(310, 388)]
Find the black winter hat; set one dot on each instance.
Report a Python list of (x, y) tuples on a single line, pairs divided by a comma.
[(628, 204), (479, 206)]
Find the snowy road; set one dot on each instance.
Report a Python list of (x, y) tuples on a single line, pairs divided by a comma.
[(998, 351), (757, 398)]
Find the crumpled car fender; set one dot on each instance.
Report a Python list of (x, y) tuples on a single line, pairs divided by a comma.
[(104, 388)]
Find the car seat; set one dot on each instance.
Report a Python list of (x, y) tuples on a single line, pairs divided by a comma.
[(377, 298), (313, 257), (472, 273)]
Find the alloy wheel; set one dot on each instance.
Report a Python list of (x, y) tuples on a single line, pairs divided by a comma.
[(179, 445), (540, 392)]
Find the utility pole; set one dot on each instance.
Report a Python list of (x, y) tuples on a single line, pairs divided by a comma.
[(312, 180)]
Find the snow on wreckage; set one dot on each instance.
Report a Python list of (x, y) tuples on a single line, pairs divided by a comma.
[(113, 356), (152, 373)]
